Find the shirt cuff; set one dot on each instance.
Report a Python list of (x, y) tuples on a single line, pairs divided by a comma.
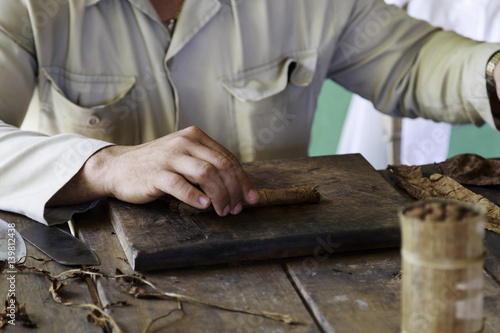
[(56, 215)]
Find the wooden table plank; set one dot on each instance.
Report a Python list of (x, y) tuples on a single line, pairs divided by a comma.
[(257, 286), (362, 292), (33, 290), (492, 262)]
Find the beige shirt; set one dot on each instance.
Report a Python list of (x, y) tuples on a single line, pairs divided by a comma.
[(248, 73)]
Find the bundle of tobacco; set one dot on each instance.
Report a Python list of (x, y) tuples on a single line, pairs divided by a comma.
[(471, 169), (411, 179)]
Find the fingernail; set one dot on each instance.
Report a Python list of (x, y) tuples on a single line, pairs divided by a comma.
[(203, 201), (253, 195), (237, 209), (226, 210)]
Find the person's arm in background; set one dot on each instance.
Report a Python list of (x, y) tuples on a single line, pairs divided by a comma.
[(408, 68)]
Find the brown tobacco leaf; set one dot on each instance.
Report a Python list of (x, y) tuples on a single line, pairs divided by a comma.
[(410, 178), (96, 317), (55, 286), (20, 314), (267, 198), (471, 169)]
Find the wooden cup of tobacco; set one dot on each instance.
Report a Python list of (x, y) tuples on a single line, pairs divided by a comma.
[(442, 257)]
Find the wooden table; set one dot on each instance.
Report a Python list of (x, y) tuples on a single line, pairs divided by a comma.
[(330, 292)]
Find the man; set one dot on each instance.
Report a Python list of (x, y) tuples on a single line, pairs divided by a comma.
[(247, 73)]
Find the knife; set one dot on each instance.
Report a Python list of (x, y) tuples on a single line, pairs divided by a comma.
[(11, 242), (61, 246)]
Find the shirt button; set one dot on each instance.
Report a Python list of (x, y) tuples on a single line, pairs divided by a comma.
[(93, 120)]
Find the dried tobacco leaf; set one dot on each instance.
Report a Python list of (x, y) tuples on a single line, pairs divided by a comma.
[(55, 286), (97, 318), (411, 179), (19, 315), (471, 169), (134, 286)]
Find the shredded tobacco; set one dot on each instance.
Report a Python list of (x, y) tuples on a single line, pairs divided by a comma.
[(20, 313), (154, 320)]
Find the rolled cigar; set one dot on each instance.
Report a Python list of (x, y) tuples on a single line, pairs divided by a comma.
[(267, 198)]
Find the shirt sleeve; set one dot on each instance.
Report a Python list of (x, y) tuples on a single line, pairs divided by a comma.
[(33, 166), (409, 68)]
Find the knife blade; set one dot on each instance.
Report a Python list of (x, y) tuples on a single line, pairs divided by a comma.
[(61, 246), (11, 243)]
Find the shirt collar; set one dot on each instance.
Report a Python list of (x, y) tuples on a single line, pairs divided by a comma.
[(138, 3), (194, 16), (143, 5), (91, 2)]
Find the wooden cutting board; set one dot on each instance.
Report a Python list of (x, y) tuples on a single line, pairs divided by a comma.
[(358, 210)]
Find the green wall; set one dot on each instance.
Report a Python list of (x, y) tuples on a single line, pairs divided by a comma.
[(332, 109), (484, 141), (329, 119)]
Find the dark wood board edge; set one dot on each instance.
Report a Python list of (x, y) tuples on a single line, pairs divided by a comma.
[(126, 245), (252, 250)]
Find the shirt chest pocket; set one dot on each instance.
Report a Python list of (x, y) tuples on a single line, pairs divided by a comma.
[(98, 107), (272, 101), (287, 73)]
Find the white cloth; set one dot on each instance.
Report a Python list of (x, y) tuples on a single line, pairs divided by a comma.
[(422, 141)]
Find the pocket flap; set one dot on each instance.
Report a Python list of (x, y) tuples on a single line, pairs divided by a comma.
[(89, 91), (265, 81)]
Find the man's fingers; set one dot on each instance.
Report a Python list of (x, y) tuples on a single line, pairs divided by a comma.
[(203, 173), (179, 187), (234, 178)]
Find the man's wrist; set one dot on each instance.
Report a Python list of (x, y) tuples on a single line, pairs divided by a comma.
[(492, 77), (87, 184), (492, 68), (95, 172)]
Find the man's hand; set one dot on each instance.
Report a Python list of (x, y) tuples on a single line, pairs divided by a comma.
[(171, 165)]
